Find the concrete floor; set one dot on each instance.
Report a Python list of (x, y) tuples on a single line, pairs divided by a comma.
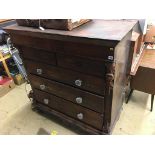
[(16, 116)]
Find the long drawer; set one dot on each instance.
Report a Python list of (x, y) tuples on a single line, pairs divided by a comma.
[(46, 57), (76, 79), (72, 94), (67, 47), (80, 113), (83, 65)]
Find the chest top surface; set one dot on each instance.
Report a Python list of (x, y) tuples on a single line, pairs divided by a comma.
[(96, 29)]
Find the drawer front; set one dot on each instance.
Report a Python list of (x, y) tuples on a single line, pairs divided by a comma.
[(91, 67), (72, 94), (67, 47), (80, 113), (76, 79), (38, 55), (36, 42), (88, 50)]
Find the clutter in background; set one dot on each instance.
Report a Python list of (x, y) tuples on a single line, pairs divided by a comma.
[(12, 70)]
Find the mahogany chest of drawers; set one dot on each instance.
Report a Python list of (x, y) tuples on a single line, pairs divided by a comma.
[(79, 75)]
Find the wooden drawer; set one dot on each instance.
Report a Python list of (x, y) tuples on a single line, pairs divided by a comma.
[(38, 55), (67, 47), (72, 94), (80, 113), (82, 65), (76, 79), (35, 42), (88, 50), (141, 82)]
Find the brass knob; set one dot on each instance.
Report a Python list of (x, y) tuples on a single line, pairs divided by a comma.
[(42, 87), (39, 71), (46, 101), (78, 83), (80, 116), (79, 100)]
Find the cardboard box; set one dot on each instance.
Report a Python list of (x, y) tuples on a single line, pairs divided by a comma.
[(6, 87), (59, 24)]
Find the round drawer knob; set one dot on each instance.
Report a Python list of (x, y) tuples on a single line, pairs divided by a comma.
[(42, 87), (80, 116), (46, 101), (79, 100), (78, 83), (39, 71), (111, 49), (110, 57)]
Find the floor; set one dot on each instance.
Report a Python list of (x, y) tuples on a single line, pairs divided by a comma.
[(16, 116)]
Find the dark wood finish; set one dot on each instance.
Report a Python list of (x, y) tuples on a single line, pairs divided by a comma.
[(97, 54), (33, 42), (89, 83), (63, 119), (89, 100), (38, 55), (89, 117), (99, 32), (144, 78), (116, 75), (81, 65)]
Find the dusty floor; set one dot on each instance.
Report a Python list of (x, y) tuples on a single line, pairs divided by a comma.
[(16, 116)]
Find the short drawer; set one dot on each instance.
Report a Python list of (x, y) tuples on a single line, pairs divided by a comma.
[(38, 55), (75, 111), (75, 95), (83, 65), (76, 79), (89, 50)]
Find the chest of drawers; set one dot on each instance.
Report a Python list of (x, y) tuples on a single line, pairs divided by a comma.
[(78, 76)]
